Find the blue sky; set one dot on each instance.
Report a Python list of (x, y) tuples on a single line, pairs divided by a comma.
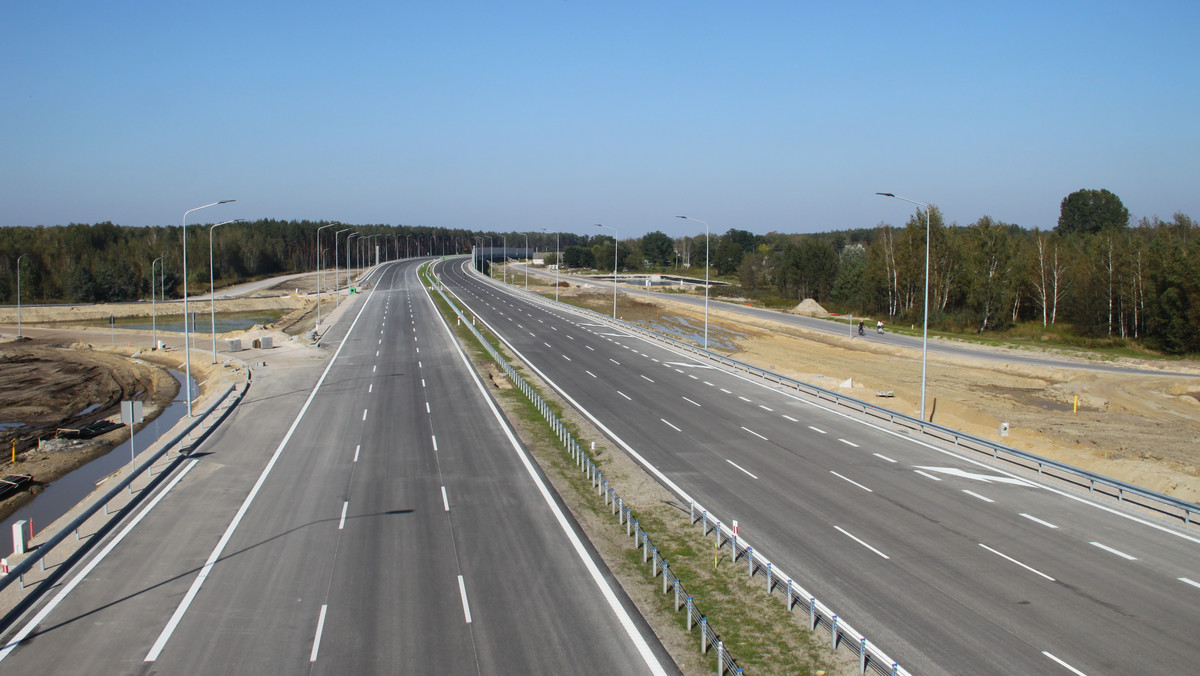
[(764, 116)]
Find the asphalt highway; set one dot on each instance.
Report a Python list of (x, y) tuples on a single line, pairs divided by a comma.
[(951, 564), (362, 512)]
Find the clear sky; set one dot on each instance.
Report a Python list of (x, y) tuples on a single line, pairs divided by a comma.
[(764, 116)]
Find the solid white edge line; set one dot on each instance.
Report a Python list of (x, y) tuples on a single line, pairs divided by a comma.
[(165, 635), (606, 590), (445, 499), (86, 570), (312, 657), (1064, 664), (462, 590), (852, 537), (1006, 556), (1118, 552)]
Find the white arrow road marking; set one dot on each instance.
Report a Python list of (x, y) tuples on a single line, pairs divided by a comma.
[(986, 478)]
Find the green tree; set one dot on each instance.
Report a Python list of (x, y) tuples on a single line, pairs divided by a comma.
[(1091, 211), (658, 249)]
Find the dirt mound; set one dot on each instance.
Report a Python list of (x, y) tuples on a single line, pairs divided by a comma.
[(810, 308)]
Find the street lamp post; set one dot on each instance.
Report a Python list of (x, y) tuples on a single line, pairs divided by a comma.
[(19, 293), (337, 296), (705, 275), (187, 352), (925, 319), (614, 266), (153, 307), (527, 259), (353, 234), (318, 327), (212, 289)]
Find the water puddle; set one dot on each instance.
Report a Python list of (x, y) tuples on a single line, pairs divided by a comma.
[(60, 496)]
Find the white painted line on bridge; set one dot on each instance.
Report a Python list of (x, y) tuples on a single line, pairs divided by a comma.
[(342, 522), (670, 425), (1110, 550), (462, 590), (741, 468), (976, 495), (312, 657), (851, 481), (1064, 665), (859, 541), (1034, 519), (1009, 558)]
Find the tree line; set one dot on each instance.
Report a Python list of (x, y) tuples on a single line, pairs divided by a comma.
[(1094, 275)]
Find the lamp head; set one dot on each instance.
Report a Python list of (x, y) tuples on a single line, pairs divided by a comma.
[(885, 194)]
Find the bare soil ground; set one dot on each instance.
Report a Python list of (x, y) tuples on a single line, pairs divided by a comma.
[(1143, 429)]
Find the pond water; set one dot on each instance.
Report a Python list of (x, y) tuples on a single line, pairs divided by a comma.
[(61, 495), (226, 321)]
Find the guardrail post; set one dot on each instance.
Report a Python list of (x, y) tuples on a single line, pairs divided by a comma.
[(789, 596), (770, 585), (666, 577), (635, 530), (703, 635), (812, 613), (750, 561), (720, 658), (690, 607), (718, 530), (833, 629), (675, 608), (620, 510), (862, 656), (704, 523), (691, 511)]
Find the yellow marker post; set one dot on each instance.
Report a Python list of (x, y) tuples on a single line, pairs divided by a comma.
[(14, 459), (1075, 409)]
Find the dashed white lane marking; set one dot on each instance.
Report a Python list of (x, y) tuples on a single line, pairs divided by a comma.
[(856, 539), (427, 408), (670, 425), (1034, 519), (567, 358), (462, 590), (624, 395), (788, 417), (370, 388), (614, 361), (690, 401), (741, 468), (848, 443), (1064, 665), (818, 430), (755, 433), (927, 475), (445, 500), (342, 521), (882, 457), (1191, 582), (743, 399), (976, 495), (364, 414), (647, 378), (356, 450), (725, 391), (434, 438), (851, 481), (312, 657), (1118, 552), (1009, 558), (590, 373)]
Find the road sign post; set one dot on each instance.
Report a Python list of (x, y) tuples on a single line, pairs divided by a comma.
[(131, 414)]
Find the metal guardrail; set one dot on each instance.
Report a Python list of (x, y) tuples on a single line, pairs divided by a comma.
[(820, 615), (1075, 475), (17, 572)]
